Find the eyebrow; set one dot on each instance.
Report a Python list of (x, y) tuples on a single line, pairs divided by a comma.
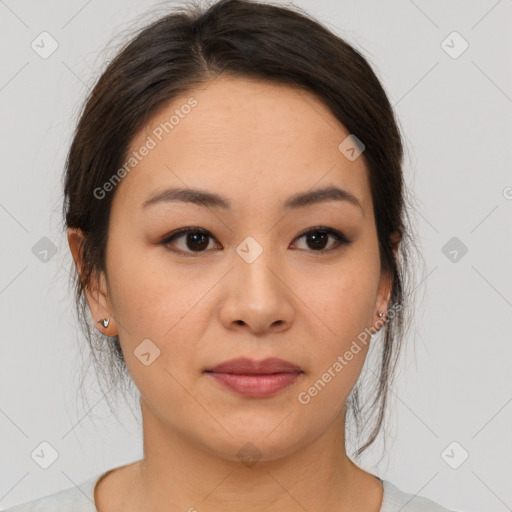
[(210, 199)]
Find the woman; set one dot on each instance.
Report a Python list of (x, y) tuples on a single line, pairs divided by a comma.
[(234, 204)]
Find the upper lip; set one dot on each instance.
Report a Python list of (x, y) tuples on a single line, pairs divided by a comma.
[(245, 366)]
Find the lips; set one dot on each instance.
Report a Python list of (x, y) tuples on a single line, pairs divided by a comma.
[(255, 379), (245, 366)]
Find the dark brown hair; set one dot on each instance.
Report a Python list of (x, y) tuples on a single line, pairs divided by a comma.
[(190, 46)]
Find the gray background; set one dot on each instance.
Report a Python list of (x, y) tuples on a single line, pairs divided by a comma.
[(455, 381)]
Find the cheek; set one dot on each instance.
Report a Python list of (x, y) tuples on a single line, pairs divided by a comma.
[(339, 313), (341, 344), (344, 303), (149, 294), (155, 300)]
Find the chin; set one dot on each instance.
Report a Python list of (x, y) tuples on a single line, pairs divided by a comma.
[(255, 445)]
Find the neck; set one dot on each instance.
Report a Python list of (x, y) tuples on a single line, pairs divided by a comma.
[(180, 471)]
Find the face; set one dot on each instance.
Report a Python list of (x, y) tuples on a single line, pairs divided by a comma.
[(260, 275)]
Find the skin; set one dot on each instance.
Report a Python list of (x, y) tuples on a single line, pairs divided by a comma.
[(257, 144)]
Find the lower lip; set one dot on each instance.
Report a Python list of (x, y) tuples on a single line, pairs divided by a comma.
[(256, 386)]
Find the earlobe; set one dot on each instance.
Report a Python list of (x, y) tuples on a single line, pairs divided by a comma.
[(107, 326), (383, 295), (100, 306)]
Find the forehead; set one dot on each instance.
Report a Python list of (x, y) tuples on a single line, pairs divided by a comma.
[(245, 139)]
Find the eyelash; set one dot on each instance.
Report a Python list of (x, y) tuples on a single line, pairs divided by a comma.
[(338, 236)]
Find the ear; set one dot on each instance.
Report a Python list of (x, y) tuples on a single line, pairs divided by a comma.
[(385, 282), (97, 291)]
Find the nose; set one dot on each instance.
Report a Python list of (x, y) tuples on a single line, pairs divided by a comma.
[(256, 295)]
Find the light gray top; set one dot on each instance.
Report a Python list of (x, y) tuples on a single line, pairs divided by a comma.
[(81, 499)]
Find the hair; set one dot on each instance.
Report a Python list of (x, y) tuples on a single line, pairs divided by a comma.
[(189, 47)]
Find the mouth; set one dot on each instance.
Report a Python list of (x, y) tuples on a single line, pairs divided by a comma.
[(246, 366), (256, 379)]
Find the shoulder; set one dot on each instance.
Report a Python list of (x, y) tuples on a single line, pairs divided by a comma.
[(395, 500), (74, 499)]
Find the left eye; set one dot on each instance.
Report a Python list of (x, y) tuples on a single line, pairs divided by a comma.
[(197, 239), (317, 238)]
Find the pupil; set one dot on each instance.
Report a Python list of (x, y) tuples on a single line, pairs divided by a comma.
[(315, 238), (198, 241)]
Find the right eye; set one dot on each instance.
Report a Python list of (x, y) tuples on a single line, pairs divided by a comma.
[(196, 240)]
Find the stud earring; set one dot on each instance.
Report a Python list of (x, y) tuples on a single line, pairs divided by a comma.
[(104, 322), (380, 314)]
